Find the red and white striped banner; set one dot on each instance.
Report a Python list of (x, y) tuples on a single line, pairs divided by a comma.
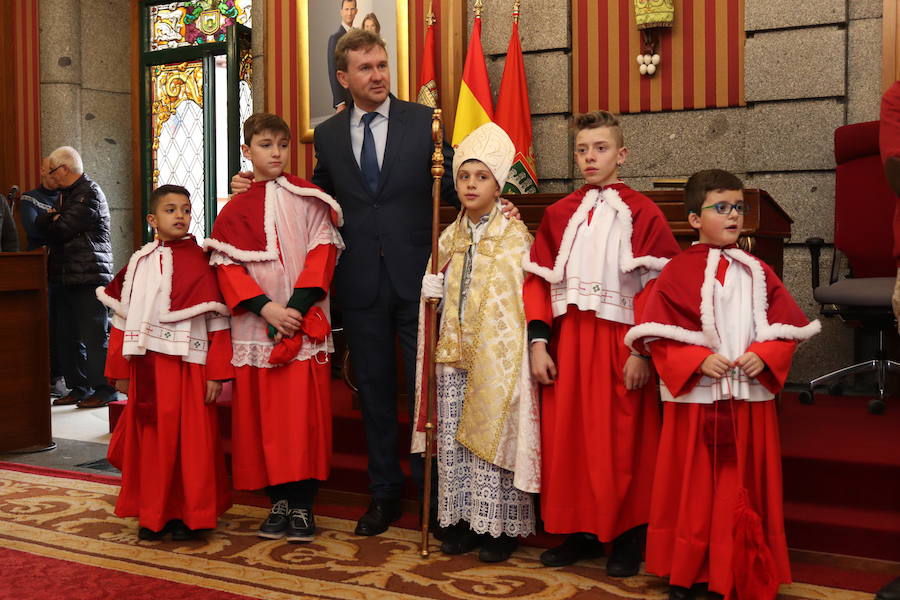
[(702, 57)]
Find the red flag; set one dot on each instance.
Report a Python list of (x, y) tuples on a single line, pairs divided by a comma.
[(428, 92), (514, 116)]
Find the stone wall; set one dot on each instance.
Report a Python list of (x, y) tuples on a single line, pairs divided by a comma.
[(809, 68), (85, 77)]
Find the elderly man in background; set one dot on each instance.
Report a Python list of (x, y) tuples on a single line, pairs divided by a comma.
[(77, 234), (33, 204)]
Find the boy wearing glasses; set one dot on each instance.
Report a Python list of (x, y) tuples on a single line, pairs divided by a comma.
[(721, 328)]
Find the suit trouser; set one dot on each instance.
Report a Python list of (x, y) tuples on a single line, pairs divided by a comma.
[(81, 319), (370, 334)]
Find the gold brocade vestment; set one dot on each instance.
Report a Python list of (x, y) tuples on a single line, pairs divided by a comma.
[(499, 414)]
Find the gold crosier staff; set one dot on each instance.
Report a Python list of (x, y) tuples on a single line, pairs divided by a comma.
[(437, 173)]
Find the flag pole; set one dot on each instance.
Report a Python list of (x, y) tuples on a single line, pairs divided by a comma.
[(437, 173)]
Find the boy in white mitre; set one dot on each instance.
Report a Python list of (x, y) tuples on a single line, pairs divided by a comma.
[(595, 251), (169, 350), (488, 433), (274, 248), (722, 329)]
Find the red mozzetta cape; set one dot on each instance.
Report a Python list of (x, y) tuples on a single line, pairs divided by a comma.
[(245, 229), (680, 305), (652, 242), (188, 282)]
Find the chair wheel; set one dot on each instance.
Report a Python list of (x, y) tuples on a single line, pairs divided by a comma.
[(876, 406), (806, 397), (836, 389)]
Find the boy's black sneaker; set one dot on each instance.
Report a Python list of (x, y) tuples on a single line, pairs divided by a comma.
[(149, 535), (625, 560), (497, 549), (576, 547), (180, 532), (301, 526), (275, 525)]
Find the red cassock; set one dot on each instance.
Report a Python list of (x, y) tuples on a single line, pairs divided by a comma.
[(598, 440), (281, 420), (711, 454), (167, 442)]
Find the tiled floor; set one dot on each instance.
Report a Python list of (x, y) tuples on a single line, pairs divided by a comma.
[(82, 436)]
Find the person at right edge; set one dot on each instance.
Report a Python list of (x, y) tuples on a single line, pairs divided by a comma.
[(889, 142)]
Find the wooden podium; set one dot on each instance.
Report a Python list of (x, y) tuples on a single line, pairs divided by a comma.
[(24, 352)]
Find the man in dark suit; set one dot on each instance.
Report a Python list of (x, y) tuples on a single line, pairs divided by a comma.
[(338, 93), (375, 159)]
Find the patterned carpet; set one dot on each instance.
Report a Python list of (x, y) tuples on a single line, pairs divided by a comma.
[(72, 520)]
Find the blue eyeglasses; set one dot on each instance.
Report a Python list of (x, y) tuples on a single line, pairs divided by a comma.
[(725, 208)]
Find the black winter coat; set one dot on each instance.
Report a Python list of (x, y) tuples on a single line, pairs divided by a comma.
[(79, 244)]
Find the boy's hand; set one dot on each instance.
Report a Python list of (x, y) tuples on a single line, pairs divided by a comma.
[(433, 286), (285, 320), (213, 389), (509, 210), (715, 366), (122, 386), (637, 372), (240, 183), (750, 363), (542, 367)]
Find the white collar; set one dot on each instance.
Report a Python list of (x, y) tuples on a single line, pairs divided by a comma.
[(383, 109)]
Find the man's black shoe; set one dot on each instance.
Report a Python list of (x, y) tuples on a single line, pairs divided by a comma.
[(577, 546), (379, 516), (276, 523), (676, 592), (466, 541), (889, 592), (301, 526), (625, 560), (497, 549)]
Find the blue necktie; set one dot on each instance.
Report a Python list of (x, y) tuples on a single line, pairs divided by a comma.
[(368, 158)]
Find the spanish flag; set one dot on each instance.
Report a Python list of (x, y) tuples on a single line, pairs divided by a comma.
[(428, 92), (475, 106), (514, 116)]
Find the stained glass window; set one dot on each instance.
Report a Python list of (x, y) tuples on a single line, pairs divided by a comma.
[(178, 137), (245, 97), (186, 23), (197, 76)]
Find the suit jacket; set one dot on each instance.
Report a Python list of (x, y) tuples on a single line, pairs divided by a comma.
[(338, 93), (395, 221)]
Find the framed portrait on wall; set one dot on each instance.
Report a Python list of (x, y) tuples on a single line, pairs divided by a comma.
[(321, 25)]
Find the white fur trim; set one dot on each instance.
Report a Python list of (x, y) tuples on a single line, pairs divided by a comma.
[(781, 331), (708, 337), (627, 260), (766, 331), (707, 304), (165, 315), (108, 301), (663, 330), (316, 193), (271, 251), (556, 274)]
